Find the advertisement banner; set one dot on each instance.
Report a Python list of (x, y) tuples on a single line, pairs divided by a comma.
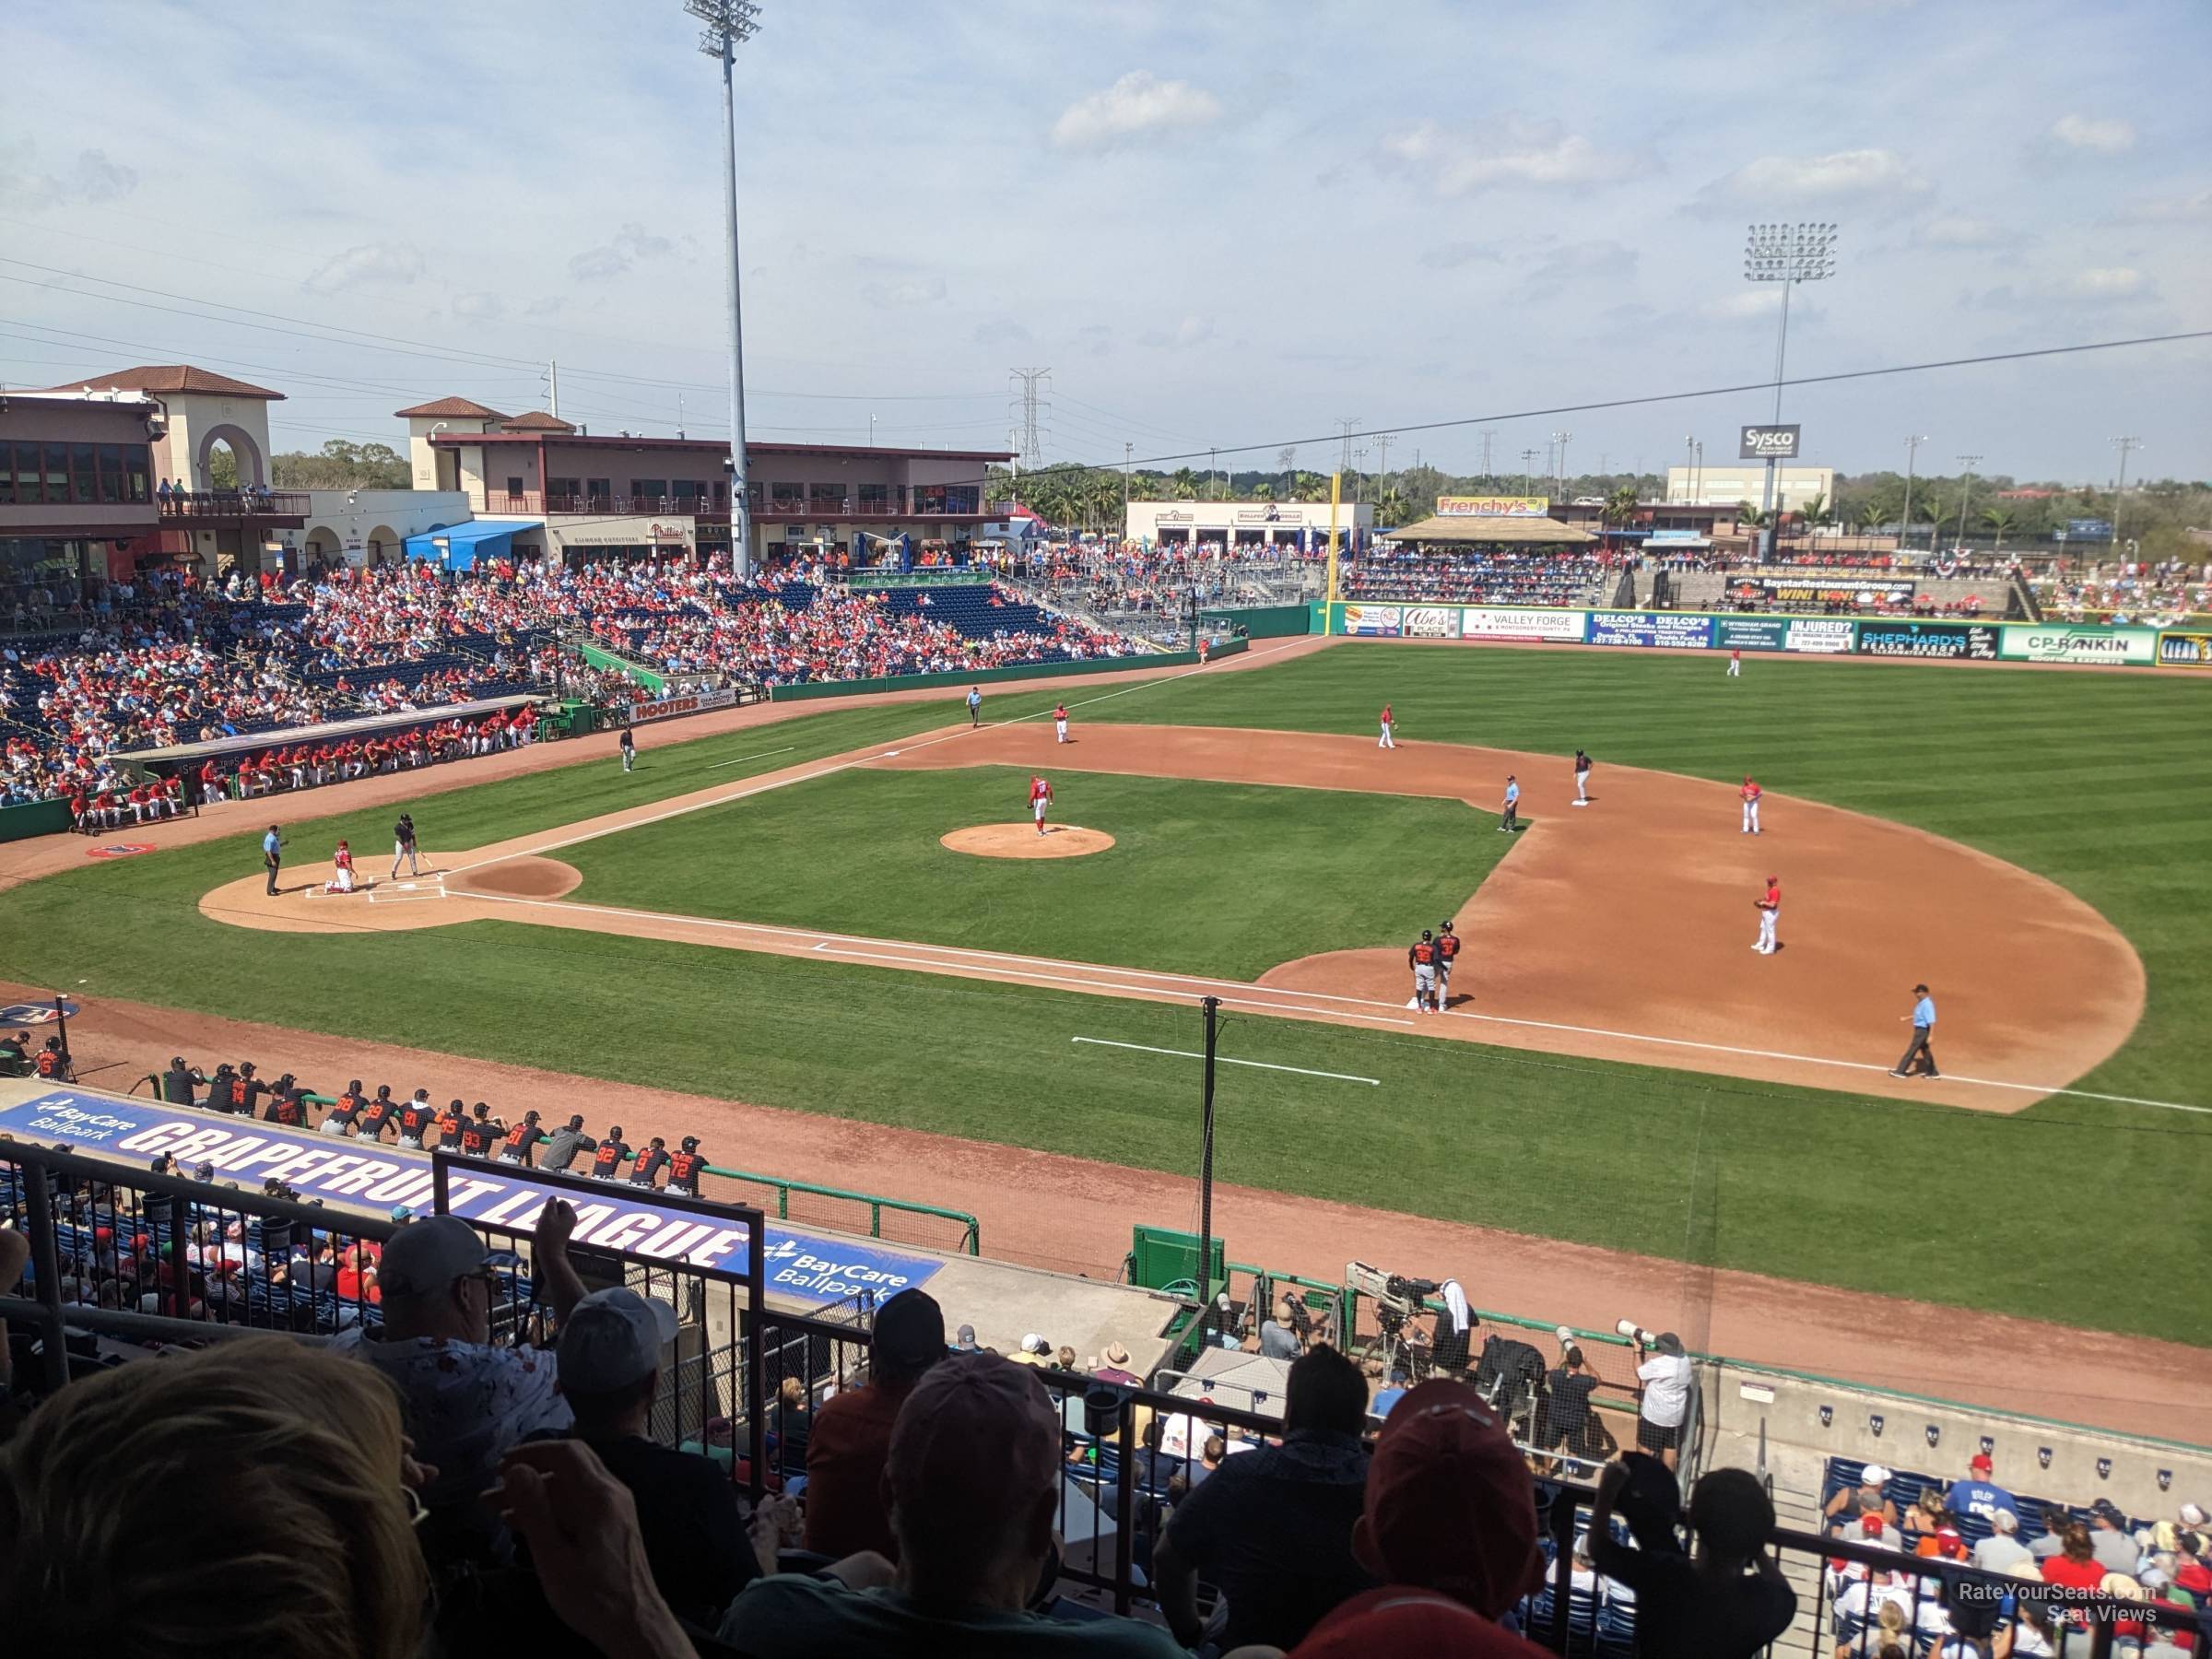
[(1373, 621), (1492, 505), (1972, 640), (1431, 622), (1497, 622), (1769, 444), (1820, 635), (2039, 642), (1811, 589), (803, 1266), (2175, 651), (2090, 529), (1674, 629), (667, 707)]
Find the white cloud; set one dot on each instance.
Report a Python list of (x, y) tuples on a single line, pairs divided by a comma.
[(2103, 282), (2083, 132), (91, 180), (630, 245), (372, 265), (1191, 331), (478, 307), (1780, 183), (1503, 154), (1962, 230), (2167, 210), (1137, 104), (97, 179), (1761, 300), (895, 293), (1450, 256), (999, 331), (1606, 261)]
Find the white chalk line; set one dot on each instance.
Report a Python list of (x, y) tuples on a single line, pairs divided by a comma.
[(825, 771), (1146, 1048), (760, 755)]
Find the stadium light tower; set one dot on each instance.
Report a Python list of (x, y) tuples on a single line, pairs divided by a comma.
[(729, 24), (1788, 255)]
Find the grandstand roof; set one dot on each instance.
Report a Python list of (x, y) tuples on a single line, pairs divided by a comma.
[(176, 378), (1499, 530), (538, 420), (450, 407)]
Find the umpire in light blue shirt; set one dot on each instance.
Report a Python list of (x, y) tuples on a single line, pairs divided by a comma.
[(1924, 1028)]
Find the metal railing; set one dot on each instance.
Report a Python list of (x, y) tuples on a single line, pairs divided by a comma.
[(233, 503)]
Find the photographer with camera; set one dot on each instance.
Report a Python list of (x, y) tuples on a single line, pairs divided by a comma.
[(1664, 1405), (1454, 1330)]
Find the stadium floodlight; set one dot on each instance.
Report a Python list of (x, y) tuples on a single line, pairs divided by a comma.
[(729, 24), (1787, 253)]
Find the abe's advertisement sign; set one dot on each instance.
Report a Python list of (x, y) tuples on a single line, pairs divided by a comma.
[(367, 1176), (1971, 641), (1824, 636), (1769, 444), (1671, 630), (1374, 621), (2175, 651), (1431, 622), (1504, 622), (2037, 643)]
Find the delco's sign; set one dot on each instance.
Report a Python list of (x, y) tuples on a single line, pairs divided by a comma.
[(1769, 444)]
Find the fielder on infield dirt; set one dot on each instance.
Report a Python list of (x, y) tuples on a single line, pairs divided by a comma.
[(1770, 913), (1750, 798), (1582, 779)]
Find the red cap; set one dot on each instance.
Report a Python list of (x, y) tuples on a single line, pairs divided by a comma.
[(1980, 1463), (1871, 1525), (1450, 1503), (1400, 1620)]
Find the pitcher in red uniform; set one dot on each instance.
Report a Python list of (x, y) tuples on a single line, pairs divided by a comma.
[(1040, 797)]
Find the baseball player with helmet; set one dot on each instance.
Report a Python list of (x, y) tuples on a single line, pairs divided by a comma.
[(684, 1167), (1447, 952), (1422, 958), (1040, 797)]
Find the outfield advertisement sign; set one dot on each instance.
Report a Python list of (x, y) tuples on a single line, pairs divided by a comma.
[(1431, 622), (1826, 636), (1497, 622), (1493, 506), (1825, 590), (802, 1266), (1374, 621), (2041, 642), (1973, 641), (2175, 651), (1674, 629)]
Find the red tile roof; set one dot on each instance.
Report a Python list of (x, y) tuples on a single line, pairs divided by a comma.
[(173, 378), (453, 408), (536, 420)]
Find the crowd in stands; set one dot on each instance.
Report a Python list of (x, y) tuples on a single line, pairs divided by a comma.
[(1565, 576), (2158, 594)]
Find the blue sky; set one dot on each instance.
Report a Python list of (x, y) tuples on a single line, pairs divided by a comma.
[(1228, 224)]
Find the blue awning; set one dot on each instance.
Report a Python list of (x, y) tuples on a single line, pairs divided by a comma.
[(459, 546)]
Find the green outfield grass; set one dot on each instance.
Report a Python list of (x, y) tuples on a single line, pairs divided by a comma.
[(2084, 1213), (1212, 878)]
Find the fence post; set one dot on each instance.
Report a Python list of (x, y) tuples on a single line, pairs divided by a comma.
[(1562, 1568), (46, 1264), (1123, 1507)]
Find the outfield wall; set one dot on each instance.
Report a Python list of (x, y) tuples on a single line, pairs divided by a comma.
[(1802, 635), (815, 690)]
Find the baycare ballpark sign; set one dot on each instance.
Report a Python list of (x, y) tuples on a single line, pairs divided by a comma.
[(803, 1266), (2040, 643)]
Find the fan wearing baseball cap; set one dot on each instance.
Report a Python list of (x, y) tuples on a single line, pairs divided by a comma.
[(973, 1477), (1449, 1526), (852, 1437), (466, 1400), (609, 1363), (1728, 1600), (1978, 1494)]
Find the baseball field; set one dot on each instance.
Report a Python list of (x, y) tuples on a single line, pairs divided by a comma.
[(768, 915)]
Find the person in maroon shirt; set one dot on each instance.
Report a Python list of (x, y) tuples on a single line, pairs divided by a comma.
[(852, 1437)]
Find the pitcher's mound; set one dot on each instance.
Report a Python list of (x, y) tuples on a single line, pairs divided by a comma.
[(1021, 841), (523, 877)]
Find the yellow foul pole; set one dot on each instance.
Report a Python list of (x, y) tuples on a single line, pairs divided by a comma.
[(1335, 495)]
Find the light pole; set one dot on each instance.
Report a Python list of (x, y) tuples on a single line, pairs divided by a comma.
[(1788, 255), (1904, 526), (1560, 464), (1966, 492), (2125, 445), (729, 24), (1527, 457)]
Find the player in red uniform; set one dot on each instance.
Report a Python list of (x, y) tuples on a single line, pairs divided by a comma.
[(1770, 913), (1750, 797), (1040, 797)]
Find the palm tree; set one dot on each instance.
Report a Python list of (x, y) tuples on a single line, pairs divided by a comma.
[(1815, 512), (1263, 491), (1756, 518), (2002, 520), (1621, 506), (1183, 485), (1870, 516), (1392, 509)]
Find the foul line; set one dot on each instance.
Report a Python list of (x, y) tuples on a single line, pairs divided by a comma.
[(1142, 1048), (763, 755), (825, 771)]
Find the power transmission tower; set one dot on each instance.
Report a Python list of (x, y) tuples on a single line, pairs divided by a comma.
[(1346, 424), (1486, 452), (1026, 385)]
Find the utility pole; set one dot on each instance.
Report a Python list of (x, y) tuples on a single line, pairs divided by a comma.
[(1912, 442), (730, 23), (1128, 451), (553, 376), (1028, 382), (1528, 457), (1211, 1004), (1966, 493), (1382, 463), (1559, 473), (679, 413), (2125, 446), (1213, 465)]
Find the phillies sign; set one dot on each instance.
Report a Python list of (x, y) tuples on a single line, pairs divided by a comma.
[(1769, 444)]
